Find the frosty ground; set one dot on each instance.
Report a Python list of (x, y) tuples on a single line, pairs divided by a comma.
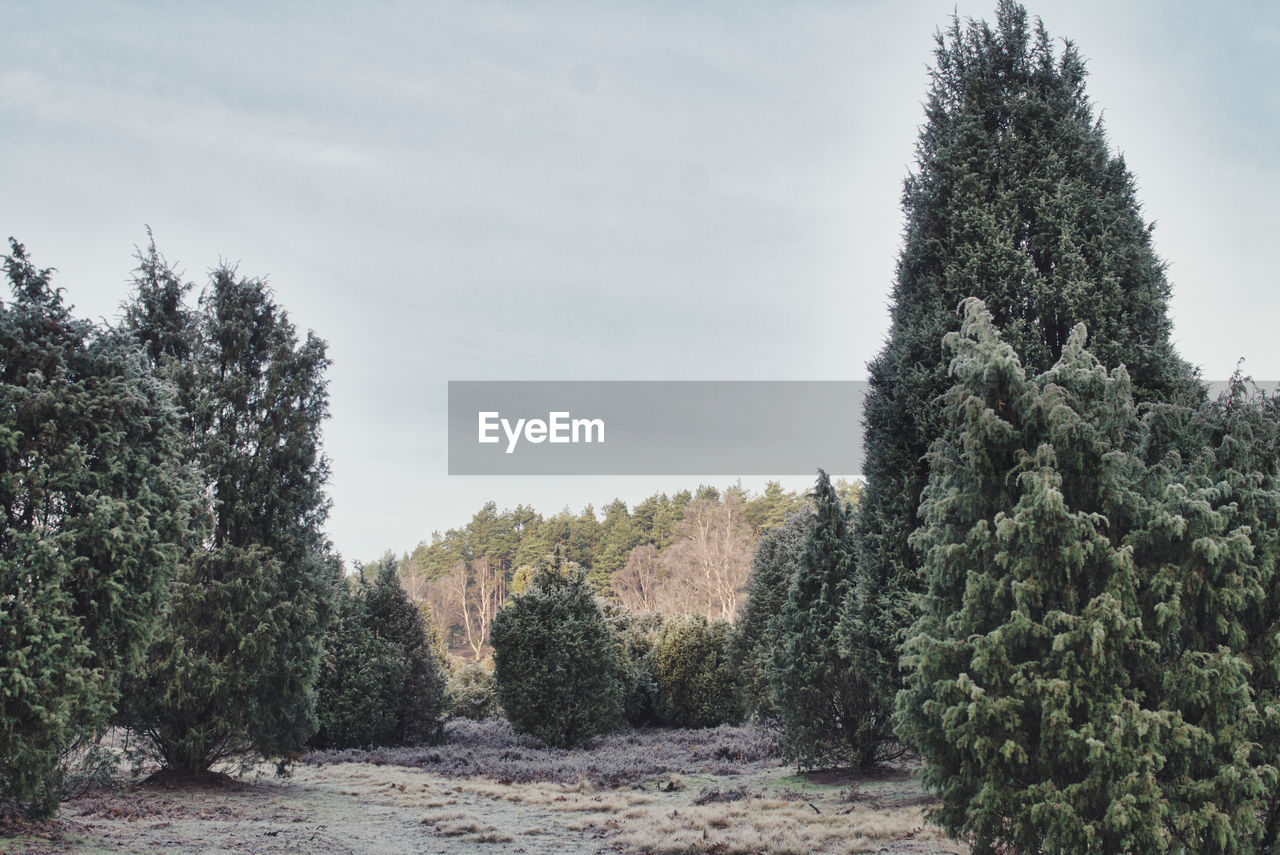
[(485, 790)]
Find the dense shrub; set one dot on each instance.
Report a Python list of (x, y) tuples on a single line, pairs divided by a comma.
[(697, 685), (382, 681), (472, 692), (555, 661), (1095, 668), (358, 693), (634, 633), (94, 506)]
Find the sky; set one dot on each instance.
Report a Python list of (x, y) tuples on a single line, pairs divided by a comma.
[(584, 191)]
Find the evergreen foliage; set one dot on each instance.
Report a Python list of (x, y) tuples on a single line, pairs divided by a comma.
[(821, 701), (1017, 199), (555, 661), (382, 682), (359, 690), (472, 692), (419, 711), (96, 503), (778, 555), (697, 684), (235, 665), (1095, 668), (635, 633)]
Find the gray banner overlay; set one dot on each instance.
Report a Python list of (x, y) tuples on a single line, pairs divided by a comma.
[(643, 427)]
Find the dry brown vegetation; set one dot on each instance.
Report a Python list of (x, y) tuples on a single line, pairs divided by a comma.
[(712, 791)]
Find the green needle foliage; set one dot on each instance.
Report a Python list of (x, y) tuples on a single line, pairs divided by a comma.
[(420, 711), (555, 660), (697, 683), (821, 701), (1017, 199), (1094, 671), (235, 666), (779, 552), (96, 502), (361, 682)]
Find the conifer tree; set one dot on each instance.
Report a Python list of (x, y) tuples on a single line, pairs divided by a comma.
[(1017, 199), (1082, 678), (383, 681), (358, 697), (555, 660), (419, 708), (96, 502), (779, 552), (697, 683), (236, 665), (822, 703)]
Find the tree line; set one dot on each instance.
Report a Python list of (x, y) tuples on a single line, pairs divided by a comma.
[(686, 552)]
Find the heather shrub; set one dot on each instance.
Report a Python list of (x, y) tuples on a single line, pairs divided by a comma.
[(492, 749), (472, 691), (697, 685), (555, 661)]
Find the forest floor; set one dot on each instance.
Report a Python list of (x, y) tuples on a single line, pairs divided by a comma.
[(716, 791)]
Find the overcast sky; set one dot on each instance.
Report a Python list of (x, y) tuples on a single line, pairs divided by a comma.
[(573, 191)]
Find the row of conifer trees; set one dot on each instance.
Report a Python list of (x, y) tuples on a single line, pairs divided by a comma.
[(162, 563)]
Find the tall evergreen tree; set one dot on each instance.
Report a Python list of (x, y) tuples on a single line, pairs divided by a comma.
[(236, 665), (96, 504), (821, 701), (1017, 199), (779, 553), (1083, 677)]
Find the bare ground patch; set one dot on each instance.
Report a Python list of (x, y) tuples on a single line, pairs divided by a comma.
[(716, 791)]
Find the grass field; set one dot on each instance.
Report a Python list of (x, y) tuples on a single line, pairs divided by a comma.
[(487, 790)]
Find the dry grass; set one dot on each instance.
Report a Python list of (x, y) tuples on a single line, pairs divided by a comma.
[(760, 812), (515, 796)]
